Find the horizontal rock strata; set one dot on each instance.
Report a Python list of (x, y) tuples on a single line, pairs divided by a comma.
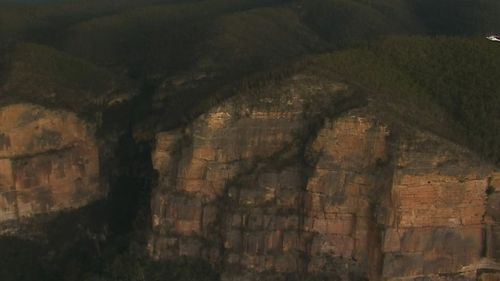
[(285, 183), (49, 162)]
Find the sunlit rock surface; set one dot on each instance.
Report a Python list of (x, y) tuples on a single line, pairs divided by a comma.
[(49, 161), (287, 182)]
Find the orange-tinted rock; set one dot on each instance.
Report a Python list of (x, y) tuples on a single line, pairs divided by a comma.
[(439, 200), (214, 151), (256, 192), (49, 162)]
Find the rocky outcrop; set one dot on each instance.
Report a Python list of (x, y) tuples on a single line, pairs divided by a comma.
[(49, 161), (435, 222), (295, 180)]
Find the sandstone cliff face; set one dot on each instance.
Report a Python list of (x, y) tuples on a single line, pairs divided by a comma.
[(435, 221), (288, 182), (49, 161)]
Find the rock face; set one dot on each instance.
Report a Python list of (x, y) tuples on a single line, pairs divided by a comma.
[(49, 161), (296, 180), (439, 199)]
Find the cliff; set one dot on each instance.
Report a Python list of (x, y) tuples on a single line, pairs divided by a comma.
[(309, 177), (49, 161)]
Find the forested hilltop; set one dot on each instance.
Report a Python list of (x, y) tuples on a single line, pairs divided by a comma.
[(138, 67)]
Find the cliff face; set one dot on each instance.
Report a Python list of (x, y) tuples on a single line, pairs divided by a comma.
[(49, 161), (436, 219), (298, 179)]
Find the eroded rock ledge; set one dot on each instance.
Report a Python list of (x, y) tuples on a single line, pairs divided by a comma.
[(49, 161), (299, 179)]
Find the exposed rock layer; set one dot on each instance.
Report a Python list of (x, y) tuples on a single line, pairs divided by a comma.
[(49, 161), (285, 182)]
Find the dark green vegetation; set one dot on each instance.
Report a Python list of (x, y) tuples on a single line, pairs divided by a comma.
[(66, 81), (456, 75), (171, 60)]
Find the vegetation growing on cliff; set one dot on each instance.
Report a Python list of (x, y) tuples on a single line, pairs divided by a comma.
[(460, 75)]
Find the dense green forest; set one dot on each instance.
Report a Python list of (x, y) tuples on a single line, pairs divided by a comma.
[(457, 75), (176, 58)]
